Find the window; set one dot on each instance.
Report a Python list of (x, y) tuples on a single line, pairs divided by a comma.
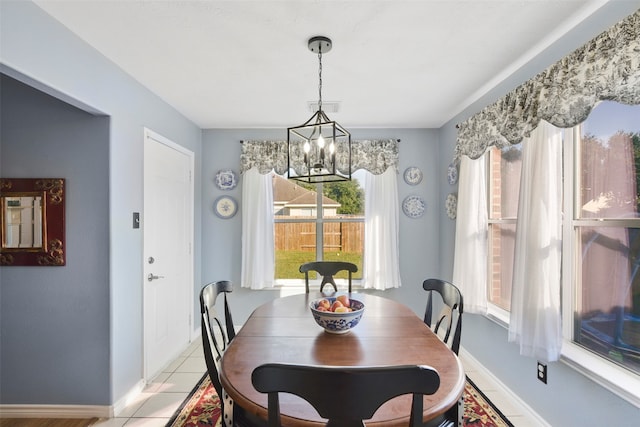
[(504, 179), (317, 222), (601, 243), (606, 235), (375, 160)]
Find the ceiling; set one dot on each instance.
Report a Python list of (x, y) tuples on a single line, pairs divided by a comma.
[(245, 64)]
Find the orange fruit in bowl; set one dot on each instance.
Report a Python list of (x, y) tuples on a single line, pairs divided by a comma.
[(336, 304), (344, 299)]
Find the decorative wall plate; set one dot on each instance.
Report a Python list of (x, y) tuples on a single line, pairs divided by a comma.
[(414, 206), (225, 207), (451, 205), (452, 174), (412, 175), (226, 180)]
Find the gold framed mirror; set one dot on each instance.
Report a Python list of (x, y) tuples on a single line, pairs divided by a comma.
[(32, 219)]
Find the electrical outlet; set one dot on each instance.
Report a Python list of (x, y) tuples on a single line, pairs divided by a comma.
[(542, 372)]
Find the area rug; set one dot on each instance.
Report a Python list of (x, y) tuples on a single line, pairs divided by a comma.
[(202, 408), (479, 411)]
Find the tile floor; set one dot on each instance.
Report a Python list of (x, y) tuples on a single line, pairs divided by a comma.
[(157, 403), (159, 400)]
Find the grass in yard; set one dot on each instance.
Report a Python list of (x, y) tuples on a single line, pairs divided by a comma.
[(288, 263)]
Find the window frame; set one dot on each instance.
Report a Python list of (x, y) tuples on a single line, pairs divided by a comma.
[(615, 378), (494, 311), (609, 375)]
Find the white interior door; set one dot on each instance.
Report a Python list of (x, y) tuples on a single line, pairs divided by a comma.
[(168, 260)]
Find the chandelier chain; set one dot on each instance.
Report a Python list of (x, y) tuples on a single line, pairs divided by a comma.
[(320, 79)]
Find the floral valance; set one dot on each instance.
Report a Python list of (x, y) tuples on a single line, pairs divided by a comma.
[(375, 156), (606, 68)]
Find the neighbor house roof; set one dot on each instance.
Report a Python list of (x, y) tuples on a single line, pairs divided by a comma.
[(288, 193)]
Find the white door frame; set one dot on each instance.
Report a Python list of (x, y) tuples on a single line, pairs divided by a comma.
[(149, 134)]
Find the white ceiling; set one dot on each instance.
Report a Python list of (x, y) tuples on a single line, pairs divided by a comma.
[(394, 63)]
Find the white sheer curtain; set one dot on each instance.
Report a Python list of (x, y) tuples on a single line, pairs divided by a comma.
[(470, 254), (258, 256), (535, 322), (381, 265)]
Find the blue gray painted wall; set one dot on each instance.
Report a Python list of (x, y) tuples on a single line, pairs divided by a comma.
[(57, 316), (36, 49)]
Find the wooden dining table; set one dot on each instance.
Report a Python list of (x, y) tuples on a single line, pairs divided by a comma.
[(283, 330)]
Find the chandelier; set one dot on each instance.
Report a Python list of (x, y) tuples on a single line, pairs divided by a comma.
[(320, 149)]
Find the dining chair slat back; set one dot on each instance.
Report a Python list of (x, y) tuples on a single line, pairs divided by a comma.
[(345, 396), (327, 269), (450, 314), (215, 339)]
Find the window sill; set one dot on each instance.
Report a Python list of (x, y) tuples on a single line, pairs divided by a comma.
[(616, 379), (315, 284), (498, 315), (288, 287)]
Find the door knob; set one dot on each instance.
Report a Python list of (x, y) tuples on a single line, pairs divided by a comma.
[(152, 276)]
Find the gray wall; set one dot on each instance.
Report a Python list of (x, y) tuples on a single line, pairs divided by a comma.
[(419, 250), (57, 316), (37, 50), (569, 398)]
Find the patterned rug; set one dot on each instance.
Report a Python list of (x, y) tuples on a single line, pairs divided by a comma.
[(479, 411), (202, 408)]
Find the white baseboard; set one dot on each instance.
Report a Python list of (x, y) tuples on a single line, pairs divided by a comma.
[(55, 411), (502, 388), (72, 411)]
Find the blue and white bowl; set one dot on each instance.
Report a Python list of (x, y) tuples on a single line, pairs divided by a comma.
[(337, 323)]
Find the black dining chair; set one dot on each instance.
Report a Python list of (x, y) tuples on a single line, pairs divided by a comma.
[(215, 339), (450, 314), (327, 269), (345, 396)]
